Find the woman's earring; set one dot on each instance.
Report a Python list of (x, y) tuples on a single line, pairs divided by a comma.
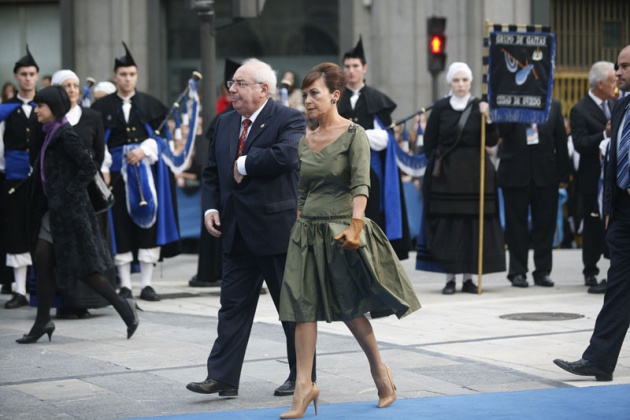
[(333, 101)]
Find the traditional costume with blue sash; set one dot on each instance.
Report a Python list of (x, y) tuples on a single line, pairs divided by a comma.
[(21, 133), (386, 203), (136, 226)]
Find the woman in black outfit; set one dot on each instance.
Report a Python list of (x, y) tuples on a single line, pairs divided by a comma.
[(452, 142), (63, 225), (87, 123)]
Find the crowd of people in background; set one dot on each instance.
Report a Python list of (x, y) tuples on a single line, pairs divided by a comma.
[(52, 147), (568, 194)]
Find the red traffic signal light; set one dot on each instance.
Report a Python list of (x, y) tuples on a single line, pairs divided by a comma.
[(436, 45)]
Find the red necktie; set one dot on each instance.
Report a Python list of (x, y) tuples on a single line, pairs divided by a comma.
[(241, 139)]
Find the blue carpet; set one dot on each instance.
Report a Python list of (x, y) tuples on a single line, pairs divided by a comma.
[(606, 402)]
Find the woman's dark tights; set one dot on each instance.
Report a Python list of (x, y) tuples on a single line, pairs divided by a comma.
[(46, 286), (45, 281)]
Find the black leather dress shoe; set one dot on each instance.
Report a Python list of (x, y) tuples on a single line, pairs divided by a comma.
[(17, 301), (519, 280), (149, 294), (543, 281), (470, 287), (590, 281), (449, 289), (584, 368), (286, 389), (6, 289), (598, 289), (210, 386)]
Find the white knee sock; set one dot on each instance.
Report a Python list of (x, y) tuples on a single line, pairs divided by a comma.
[(20, 279), (450, 277), (124, 272), (146, 273)]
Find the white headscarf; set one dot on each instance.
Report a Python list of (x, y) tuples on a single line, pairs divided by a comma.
[(106, 87), (62, 75), (456, 68)]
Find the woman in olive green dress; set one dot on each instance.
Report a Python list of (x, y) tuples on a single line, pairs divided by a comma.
[(340, 265)]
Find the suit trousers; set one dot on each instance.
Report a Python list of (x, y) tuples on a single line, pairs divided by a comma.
[(543, 202), (210, 262), (613, 320), (592, 236), (243, 274)]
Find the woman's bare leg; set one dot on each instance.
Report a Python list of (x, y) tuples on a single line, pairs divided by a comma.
[(364, 334)]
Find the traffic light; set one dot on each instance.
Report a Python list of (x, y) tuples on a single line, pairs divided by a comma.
[(437, 43)]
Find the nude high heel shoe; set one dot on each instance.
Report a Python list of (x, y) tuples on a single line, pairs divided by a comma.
[(298, 413), (388, 399)]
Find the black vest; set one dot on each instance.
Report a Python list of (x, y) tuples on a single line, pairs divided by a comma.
[(21, 133), (144, 109)]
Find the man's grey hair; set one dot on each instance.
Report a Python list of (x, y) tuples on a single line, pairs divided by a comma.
[(263, 73), (599, 72)]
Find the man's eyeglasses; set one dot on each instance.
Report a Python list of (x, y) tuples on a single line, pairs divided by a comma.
[(241, 84)]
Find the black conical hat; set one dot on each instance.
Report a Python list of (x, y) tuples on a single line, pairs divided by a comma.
[(26, 61), (356, 52), (230, 68), (124, 61)]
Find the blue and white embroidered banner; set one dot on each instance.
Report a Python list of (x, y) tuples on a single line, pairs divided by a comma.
[(521, 67)]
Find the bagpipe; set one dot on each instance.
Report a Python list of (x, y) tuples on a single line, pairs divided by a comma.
[(412, 164), (86, 93), (149, 199), (185, 112)]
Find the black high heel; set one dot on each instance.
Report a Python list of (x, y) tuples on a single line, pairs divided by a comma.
[(132, 324), (35, 334)]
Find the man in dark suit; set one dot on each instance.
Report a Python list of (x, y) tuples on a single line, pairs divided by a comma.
[(589, 119), (534, 163), (250, 201), (611, 326)]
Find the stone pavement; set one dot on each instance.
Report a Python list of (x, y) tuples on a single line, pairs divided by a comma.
[(454, 345)]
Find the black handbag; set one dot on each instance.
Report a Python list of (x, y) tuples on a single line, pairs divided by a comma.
[(100, 195)]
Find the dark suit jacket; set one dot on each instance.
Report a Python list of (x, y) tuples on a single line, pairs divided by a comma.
[(264, 205), (588, 123), (546, 164), (611, 191)]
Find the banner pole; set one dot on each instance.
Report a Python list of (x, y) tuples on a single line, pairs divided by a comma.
[(482, 170)]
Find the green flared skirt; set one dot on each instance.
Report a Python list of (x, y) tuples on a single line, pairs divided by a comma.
[(323, 282)]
